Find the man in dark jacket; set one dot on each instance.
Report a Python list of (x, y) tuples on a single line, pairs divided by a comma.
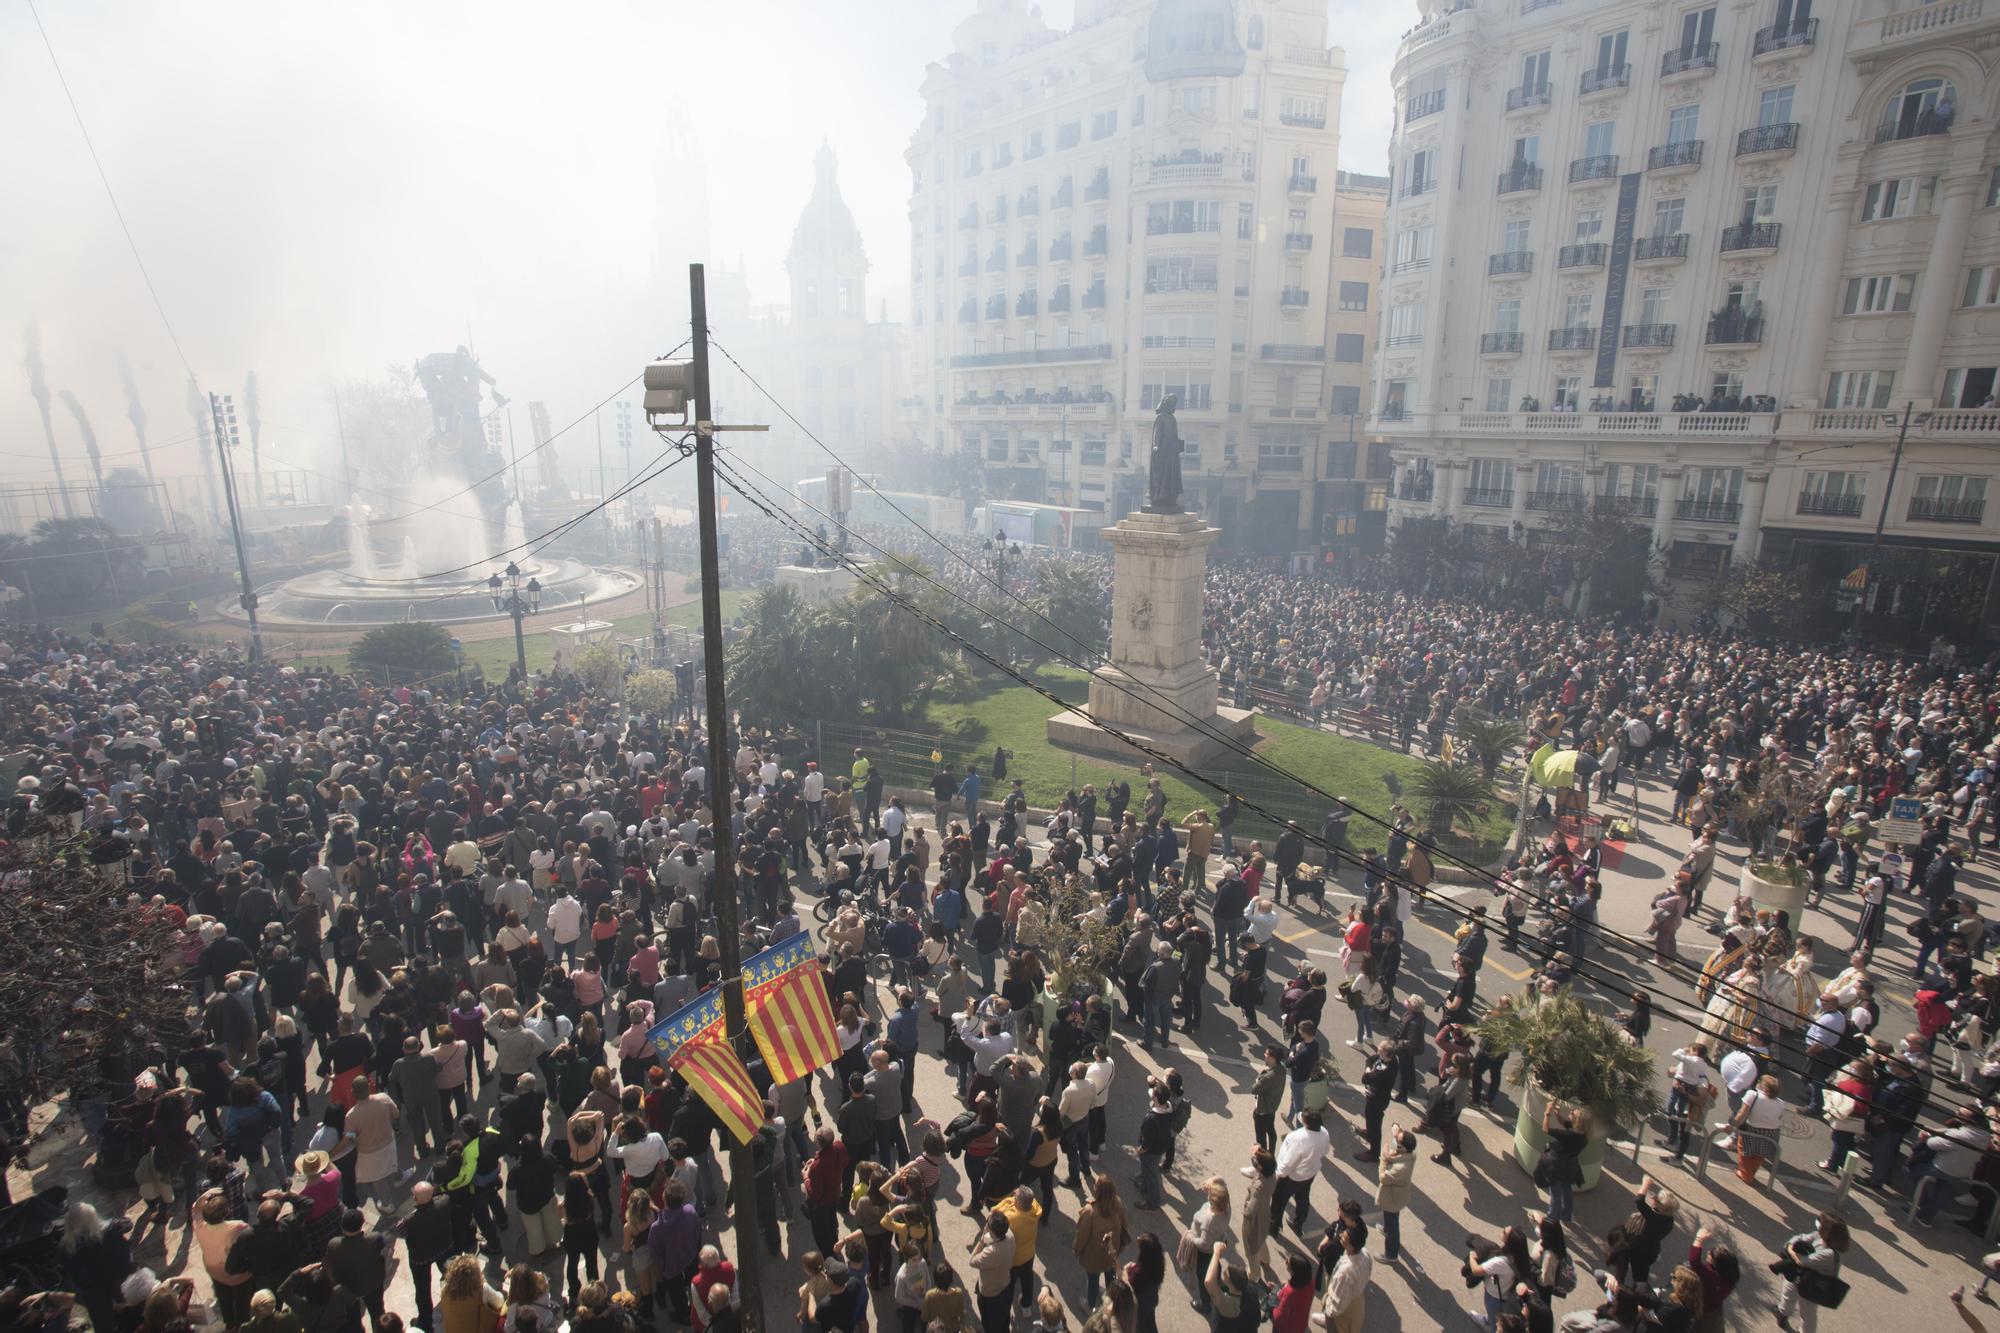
[(1156, 1136), (360, 1262), (1232, 899), (1409, 1036), (427, 1244), (1286, 855), (1378, 1082), (1893, 1109)]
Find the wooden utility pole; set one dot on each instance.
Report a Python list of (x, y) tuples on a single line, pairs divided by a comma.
[(721, 781)]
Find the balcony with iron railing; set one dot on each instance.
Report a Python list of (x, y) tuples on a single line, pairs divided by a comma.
[(1182, 280), (1652, 249), (1182, 226), (1604, 79), (1026, 303), (969, 219), (970, 267), (1423, 104), (1501, 344), (1929, 509), (1311, 120), (1520, 178), (969, 312), (1099, 188), (996, 306), (1291, 352), (1093, 297), (1059, 249), (996, 214), (1784, 37), (1733, 326), (1418, 489), (1682, 156), (1417, 265), (1830, 506), (1750, 236), (1556, 502), (1530, 96), (1098, 243), (1414, 186), (1694, 59), (1923, 125), (1059, 300), (1032, 151), (1293, 296), (1033, 356), (1581, 338), (1589, 254), (1601, 167), (1027, 257), (1708, 511), (997, 261), (1298, 184), (1064, 197), (1768, 140), (1510, 261), (1628, 506), (1646, 335), (1027, 206), (1298, 240), (1488, 498)]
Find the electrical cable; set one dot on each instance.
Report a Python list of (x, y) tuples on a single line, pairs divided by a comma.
[(111, 194), (1697, 1018)]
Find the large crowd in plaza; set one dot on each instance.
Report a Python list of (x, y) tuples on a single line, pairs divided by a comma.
[(424, 935)]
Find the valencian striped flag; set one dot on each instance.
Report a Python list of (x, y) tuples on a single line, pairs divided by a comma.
[(789, 1013), (692, 1043)]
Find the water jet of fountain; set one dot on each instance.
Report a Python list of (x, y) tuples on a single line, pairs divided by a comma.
[(410, 568), (515, 536), (360, 559)]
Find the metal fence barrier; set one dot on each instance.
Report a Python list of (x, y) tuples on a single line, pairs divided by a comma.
[(1992, 1195)]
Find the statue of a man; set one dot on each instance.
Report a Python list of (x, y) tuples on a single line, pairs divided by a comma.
[(1163, 494)]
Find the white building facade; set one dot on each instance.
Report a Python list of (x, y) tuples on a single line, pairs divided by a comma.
[(1779, 212), (1140, 206)]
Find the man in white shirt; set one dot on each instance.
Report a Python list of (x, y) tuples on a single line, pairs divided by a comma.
[(514, 895), (1300, 1158), (813, 791), (565, 927), (878, 864), (893, 821), (1100, 1071)]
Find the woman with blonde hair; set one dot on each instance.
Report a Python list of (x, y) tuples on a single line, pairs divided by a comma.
[(465, 1303), (639, 1211), (1209, 1225)]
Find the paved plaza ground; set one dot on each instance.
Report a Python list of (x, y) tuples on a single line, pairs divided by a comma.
[(1899, 1275)]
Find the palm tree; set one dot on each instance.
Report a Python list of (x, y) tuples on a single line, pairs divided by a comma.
[(1489, 739), (1449, 793), (411, 647)]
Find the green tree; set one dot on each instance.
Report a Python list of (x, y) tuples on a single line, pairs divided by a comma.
[(650, 692), (1073, 598), (600, 666), (1759, 596), (1449, 794), (784, 665), (75, 559), (410, 647), (1488, 738)]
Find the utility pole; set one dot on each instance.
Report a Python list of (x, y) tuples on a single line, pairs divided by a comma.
[(749, 1243), (223, 409), (603, 490), (1882, 519)]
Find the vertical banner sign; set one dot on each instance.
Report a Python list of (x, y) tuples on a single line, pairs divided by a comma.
[(1616, 273)]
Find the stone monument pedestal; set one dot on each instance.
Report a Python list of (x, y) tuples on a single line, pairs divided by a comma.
[(1156, 688)]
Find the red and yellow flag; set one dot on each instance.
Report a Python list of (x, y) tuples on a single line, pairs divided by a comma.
[(790, 1017), (693, 1044)]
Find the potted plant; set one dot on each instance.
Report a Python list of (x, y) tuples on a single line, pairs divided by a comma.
[(1777, 883), (1580, 1057)]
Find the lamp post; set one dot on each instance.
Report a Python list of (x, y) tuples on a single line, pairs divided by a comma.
[(510, 597), (1866, 570)]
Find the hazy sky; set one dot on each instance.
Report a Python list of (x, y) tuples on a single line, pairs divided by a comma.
[(322, 192)]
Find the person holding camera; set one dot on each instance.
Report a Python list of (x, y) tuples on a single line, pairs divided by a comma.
[(1810, 1267)]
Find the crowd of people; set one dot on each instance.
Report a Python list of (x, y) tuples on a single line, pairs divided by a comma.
[(425, 937)]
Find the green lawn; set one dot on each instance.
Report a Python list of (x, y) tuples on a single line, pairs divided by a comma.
[(1017, 717)]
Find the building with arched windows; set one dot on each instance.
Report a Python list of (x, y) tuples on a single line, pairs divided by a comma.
[(1692, 264)]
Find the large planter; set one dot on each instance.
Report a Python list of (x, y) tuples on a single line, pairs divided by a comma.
[(1775, 895), (1529, 1140)]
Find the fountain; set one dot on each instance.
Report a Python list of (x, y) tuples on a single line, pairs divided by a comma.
[(442, 548)]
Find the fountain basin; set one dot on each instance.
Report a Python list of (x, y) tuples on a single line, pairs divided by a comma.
[(331, 598)]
